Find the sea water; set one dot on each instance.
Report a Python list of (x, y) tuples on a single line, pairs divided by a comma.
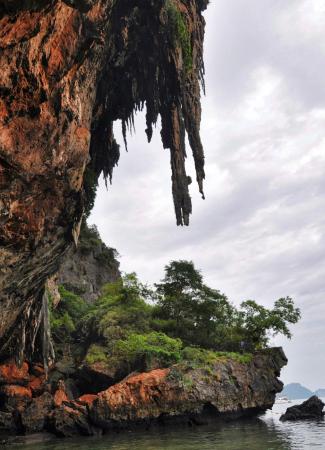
[(263, 433)]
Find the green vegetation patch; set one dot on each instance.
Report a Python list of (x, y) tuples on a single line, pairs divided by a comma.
[(66, 318), (180, 34), (96, 354), (152, 350), (200, 357)]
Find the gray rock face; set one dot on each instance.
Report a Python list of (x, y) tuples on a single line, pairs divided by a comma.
[(310, 409), (7, 423), (33, 418), (89, 266), (70, 420)]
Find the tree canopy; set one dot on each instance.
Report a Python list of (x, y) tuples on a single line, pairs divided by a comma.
[(202, 316)]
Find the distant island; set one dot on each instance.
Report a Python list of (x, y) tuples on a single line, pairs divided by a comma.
[(295, 391)]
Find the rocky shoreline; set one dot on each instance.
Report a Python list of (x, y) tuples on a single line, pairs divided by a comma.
[(30, 403)]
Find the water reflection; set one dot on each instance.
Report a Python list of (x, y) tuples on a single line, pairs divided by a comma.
[(266, 433)]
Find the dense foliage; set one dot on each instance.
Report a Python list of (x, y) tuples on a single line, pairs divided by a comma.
[(189, 309), (131, 327)]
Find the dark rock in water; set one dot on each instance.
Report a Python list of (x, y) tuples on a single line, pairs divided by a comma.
[(33, 418), (229, 388), (7, 422), (310, 409), (71, 420), (14, 397)]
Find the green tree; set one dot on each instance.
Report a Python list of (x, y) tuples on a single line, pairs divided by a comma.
[(176, 297), (258, 323), (191, 310), (214, 317)]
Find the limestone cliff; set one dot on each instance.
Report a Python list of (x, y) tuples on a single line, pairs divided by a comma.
[(69, 69), (89, 266)]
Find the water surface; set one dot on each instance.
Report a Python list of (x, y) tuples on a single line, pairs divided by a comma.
[(265, 433)]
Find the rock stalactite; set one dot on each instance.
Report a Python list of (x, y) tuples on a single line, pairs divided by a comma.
[(69, 70)]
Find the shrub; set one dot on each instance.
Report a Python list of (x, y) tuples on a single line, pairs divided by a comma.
[(95, 354), (152, 350), (62, 326), (199, 357), (71, 303)]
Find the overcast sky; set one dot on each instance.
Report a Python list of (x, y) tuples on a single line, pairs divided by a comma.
[(260, 232)]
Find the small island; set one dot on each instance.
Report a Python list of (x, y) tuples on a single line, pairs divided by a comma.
[(141, 356)]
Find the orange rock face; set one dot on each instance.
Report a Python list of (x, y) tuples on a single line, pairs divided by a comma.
[(17, 391), (88, 399), (60, 396), (36, 385), (138, 390), (10, 373), (16, 398)]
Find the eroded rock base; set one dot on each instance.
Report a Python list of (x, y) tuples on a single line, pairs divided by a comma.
[(31, 403)]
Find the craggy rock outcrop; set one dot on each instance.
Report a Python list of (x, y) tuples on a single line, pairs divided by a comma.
[(69, 69), (310, 409), (87, 268), (228, 389), (11, 374), (34, 416)]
